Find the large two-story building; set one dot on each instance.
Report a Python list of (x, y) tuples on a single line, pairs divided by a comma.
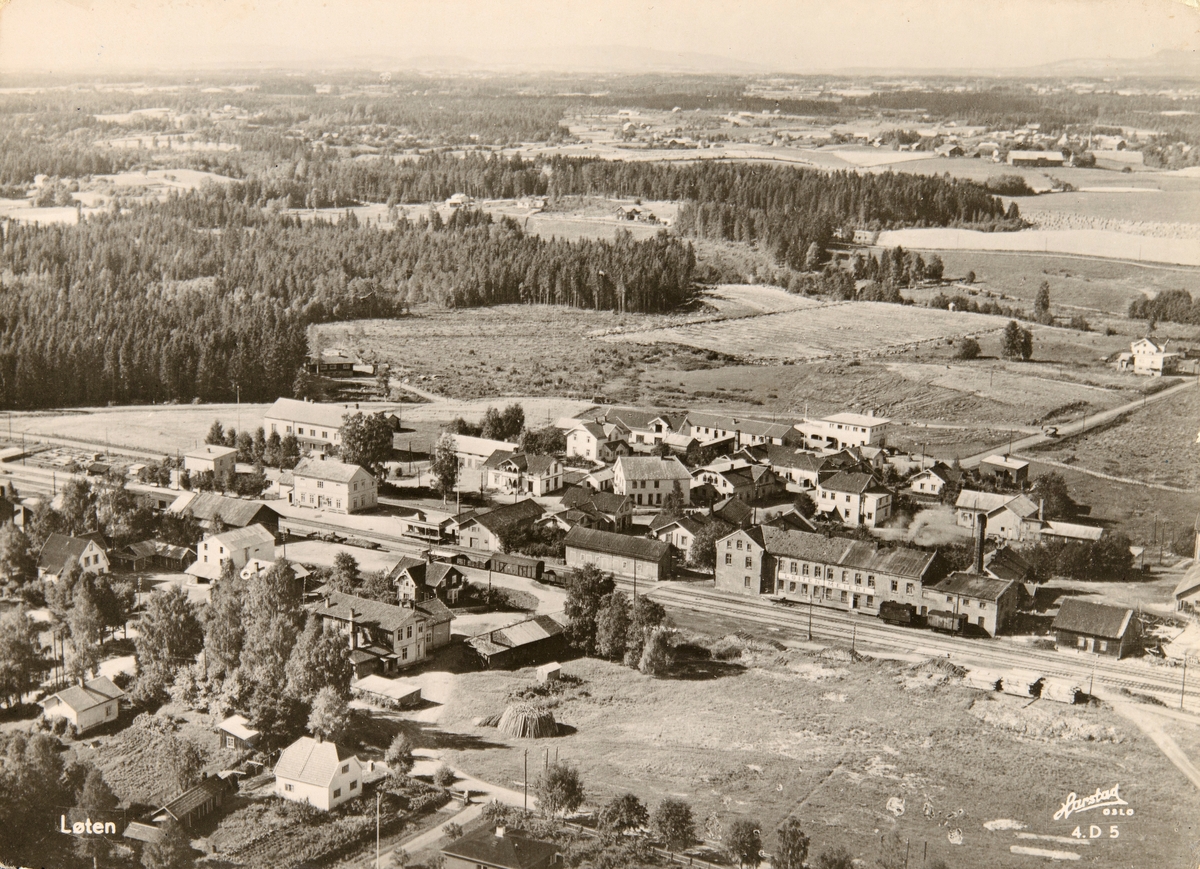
[(844, 430), (649, 479), (315, 425), (329, 484), (830, 571), (386, 637), (856, 498)]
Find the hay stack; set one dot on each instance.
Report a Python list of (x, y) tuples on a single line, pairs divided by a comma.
[(528, 721)]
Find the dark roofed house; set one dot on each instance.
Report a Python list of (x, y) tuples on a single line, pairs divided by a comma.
[(60, 549), (233, 512), (386, 636), (419, 580), (620, 554), (499, 848), (522, 644), (737, 513), (616, 510), (196, 803), (1096, 627), (485, 530)]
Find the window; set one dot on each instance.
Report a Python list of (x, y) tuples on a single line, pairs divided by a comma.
[(337, 793), (870, 581), (829, 573), (908, 588), (791, 586), (845, 573), (804, 571), (325, 434), (844, 597), (320, 484), (847, 499), (739, 544), (870, 600), (354, 785), (338, 504), (728, 558), (345, 768), (410, 627), (858, 579), (289, 788), (895, 585), (793, 567), (1103, 646), (804, 588), (749, 561), (404, 654), (729, 544), (746, 583), (979, 621), (656, 484)]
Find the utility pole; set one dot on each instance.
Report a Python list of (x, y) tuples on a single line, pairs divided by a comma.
[(378, 798), (526, 777), (1183, 685), (810, 617), (853, 637)]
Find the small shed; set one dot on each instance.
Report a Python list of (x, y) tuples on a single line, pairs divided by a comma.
[(196, 803), (236, 732), (391, 693), (549, 672)]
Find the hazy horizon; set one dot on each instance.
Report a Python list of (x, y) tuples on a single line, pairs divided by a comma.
[(801, 36)]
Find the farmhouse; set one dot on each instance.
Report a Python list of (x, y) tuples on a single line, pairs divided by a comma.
[(235, 732), (239, 545), (650, 479), (1098, 628), (619, 554), (1015, 472), (334, 362), (486, 530), (499, 849), (599, 480), (386, 636), (802, 567), (419, 580), (750, 484), (522, 644), (639, 427), (989, 604), (211, 509), (320, 773), (844, 430), (316, 426), (329, 484), (218, 460), (145, 553), (59, 550), (933, 482), (523, 473), (472, 452), (856, 498), (86, 704), (1149, 358), (1035, 158)]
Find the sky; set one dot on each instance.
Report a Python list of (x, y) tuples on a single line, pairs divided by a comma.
[(769, 35)]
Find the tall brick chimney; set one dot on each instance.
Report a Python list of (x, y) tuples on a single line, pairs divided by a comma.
[(980, 536)]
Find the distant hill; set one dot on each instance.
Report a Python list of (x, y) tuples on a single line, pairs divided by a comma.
[(584, 59), (1163, 64)]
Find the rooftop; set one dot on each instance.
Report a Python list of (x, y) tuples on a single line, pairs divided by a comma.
[(859, 419), (309, 412), (251, 535), (206, 506), (211, 451), (973, 585), (89, 695), (616, 544), (1095, 619), (1006, 462), (652, 468), (330, 470), (510, 850), (310, 761)]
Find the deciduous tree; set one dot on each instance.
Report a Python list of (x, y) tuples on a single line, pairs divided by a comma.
[(444, 464), (331, 716), (673, 824), (20, 661), (612, 626), (367, 441), (586, 588), (320, 659), (559, 788), (791, 849), (169, 637), (744, 842), (622, 813)]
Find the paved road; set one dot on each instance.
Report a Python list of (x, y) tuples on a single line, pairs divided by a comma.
[(1082, 425)]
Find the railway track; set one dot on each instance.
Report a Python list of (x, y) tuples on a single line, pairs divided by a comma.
[(868, 633)]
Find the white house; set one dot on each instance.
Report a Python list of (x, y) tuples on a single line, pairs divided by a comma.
[(239, 545), (86, 705), (523, 473), (59, 550), (1009, 517), (590, 440), (856, 498), (1148, 358), (473, 452), (845, 430), (318, 772), (650, 479), (931, 482), (330, 484), (218, 459), (708, 427), (316, 426)]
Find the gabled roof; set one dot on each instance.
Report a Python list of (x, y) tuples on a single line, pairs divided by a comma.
[(853, 482), (89, 695), (330, 470), (1095, 619), (690, 524), (235, 538), (193, 798), (632, 418), (900, 561), (973, 585), (309, 412), (943, 472), (733, 511), (990, 502), (507, 516), (652, 468), (311, 762), (499, 457), (783, 456), (239, 726), (593, 428), (385, 616), (800, 544), (60, 548), (603, 502), (513, 850), (791, 520), (759, 427), (234, 512), (480, 446), (616, 544), (1072, 530)]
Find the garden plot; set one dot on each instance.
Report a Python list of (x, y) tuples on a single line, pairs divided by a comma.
[(822, 330)]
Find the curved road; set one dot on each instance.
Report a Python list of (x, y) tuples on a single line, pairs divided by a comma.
[(1082, 425)]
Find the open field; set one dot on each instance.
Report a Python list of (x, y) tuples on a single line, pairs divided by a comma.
[(1157, 445), (1079, 282), (1083, 242), (830, 741), (821, 330)]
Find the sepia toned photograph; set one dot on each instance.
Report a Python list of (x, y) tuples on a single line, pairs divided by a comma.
[(599, 434)]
